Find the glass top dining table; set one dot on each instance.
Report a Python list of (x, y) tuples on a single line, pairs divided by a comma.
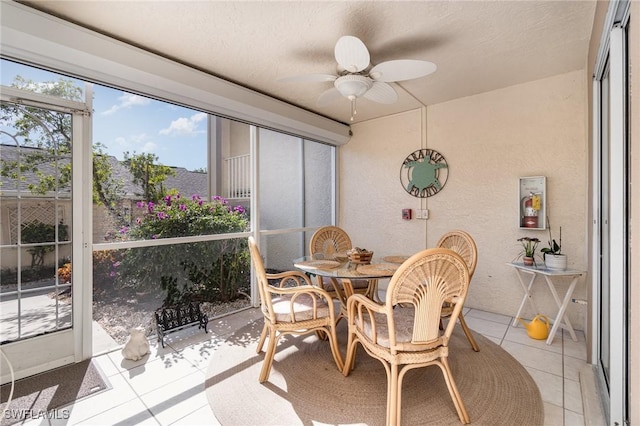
[(342, 272)]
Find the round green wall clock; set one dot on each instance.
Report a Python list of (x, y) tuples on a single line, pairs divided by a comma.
[(424, 173)]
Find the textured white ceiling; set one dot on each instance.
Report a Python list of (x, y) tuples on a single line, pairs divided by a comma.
[(478, 46)]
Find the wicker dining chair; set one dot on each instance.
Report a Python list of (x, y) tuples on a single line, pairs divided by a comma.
[(291, 304), (404, 332), (463, 244), (332, 242)]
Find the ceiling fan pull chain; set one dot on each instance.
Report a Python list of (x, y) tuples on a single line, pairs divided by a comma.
[(353, 107)]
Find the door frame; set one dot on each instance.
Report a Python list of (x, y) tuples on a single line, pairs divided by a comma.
[(612, 50), (45, 352)]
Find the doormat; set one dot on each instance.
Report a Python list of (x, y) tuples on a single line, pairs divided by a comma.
[(41, 396)]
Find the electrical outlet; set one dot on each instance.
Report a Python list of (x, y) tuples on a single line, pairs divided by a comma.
[(422, 214)]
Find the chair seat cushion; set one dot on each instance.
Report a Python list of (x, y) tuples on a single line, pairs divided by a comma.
[(403, 318), (404, 326), (303, 308)]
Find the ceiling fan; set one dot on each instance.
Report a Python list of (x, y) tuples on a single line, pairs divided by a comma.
[(356, 78)]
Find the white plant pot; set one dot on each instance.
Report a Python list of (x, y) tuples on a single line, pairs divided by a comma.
[(557, 262)]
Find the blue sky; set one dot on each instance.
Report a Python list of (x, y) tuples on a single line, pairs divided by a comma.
[(126, 122)]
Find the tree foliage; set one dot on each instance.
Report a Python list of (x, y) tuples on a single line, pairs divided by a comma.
[(45, 129), (51, 133), (149, 175), (38, 232)]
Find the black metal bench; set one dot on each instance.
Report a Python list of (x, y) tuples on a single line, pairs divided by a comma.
[(169, 320)]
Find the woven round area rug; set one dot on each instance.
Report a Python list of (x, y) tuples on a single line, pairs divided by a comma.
[(305, 387)]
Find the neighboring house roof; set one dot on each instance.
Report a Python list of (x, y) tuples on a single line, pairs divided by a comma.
[(186, 182), (47, 167)]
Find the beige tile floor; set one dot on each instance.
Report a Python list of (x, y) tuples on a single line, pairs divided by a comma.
[(167, 387)]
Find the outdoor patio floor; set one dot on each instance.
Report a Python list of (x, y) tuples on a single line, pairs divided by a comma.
[(167, 387)]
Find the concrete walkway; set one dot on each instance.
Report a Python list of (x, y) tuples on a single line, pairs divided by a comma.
[(39, 314)]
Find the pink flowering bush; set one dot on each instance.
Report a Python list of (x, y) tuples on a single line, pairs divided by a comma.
[(176, 216), (206, 271)]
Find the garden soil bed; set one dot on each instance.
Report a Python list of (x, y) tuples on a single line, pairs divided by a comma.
[(118, 314)]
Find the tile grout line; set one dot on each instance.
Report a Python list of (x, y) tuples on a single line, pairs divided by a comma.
[(564, 382), (135, 397), (506, 331)]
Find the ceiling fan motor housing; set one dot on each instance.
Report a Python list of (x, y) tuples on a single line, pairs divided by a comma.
[(353, 85)]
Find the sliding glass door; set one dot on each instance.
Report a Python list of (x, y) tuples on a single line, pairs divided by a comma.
[(611, 214)]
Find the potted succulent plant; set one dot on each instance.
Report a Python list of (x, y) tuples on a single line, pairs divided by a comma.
[(553, 257), (528, 253)]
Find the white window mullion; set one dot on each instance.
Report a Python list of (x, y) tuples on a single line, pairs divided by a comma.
[(596, 271), (254, 151)]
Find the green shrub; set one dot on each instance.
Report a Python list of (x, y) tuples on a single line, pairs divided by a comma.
[(206, 271), (106, 265), (38, 232)]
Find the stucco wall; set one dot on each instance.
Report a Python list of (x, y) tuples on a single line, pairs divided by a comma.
[(371, 197), (489, 140)]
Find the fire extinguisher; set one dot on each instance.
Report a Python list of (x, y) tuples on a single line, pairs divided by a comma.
[(530, 208)]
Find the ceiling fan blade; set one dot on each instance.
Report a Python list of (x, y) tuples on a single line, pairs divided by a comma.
[(329, 96), (382, 93), (401, 69), (351, 54), (308, 78)]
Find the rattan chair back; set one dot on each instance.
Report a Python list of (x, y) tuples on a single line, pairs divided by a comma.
[(290, 304), (404, 332), (424, 282), (463, 244), (329, 241)]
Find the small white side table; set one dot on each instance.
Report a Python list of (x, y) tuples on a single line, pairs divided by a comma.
[(561, 320)]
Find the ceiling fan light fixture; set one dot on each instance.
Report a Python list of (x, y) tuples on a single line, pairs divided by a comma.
[(354, 79), (352, 85)]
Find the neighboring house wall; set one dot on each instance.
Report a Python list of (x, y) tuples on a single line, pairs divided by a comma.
[(236, 141), (105, 224), (488, 140), (239, 138)]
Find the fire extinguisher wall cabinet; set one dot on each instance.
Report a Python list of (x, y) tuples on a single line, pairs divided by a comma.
[(532, 193)]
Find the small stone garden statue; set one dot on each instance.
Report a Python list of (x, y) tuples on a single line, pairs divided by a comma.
[(137, 345)]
